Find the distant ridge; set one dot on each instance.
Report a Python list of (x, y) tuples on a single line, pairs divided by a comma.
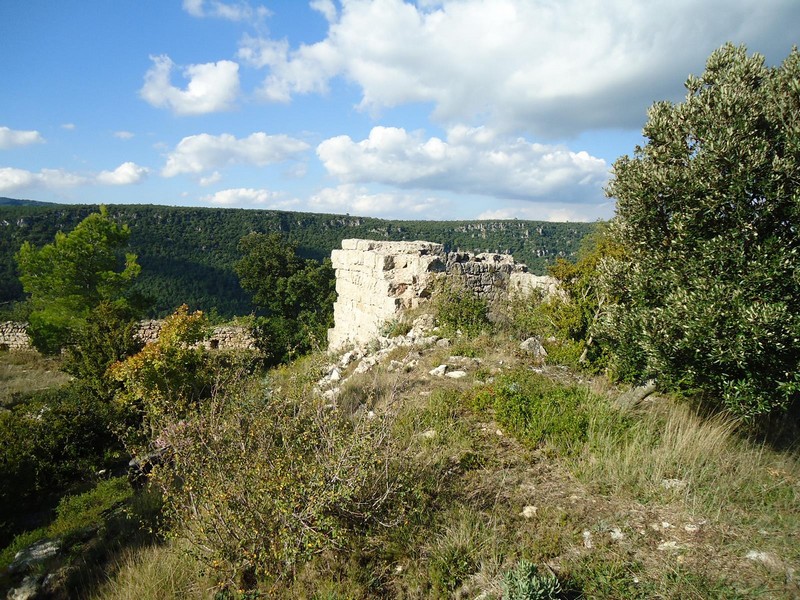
[(188, 254), (21, 202)]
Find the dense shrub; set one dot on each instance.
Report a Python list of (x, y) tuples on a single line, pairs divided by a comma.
[(459, 310), (707, 214), (262, 479), (49, 443)]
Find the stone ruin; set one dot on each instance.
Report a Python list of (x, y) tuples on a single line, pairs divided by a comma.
[(13, 336), (377, 280), (222, 337)]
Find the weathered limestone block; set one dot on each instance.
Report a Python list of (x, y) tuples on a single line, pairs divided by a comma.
[(375, 280), (378, 280), (525, 283), (14, 336)]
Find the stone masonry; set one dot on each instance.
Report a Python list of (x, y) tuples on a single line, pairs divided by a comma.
[(13, 336), (377, 280)]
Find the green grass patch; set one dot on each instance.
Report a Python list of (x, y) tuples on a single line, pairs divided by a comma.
[(542, 412), (74, 515)]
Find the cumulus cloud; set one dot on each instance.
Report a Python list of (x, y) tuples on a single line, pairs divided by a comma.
[(471, 160), (11, 138), (242, 197), (12, 180), (124, 135), (204, 152), (545, 67), (232, 11), (215, 177), (350, 198), (126, 174), (326, 7), (211, 87)]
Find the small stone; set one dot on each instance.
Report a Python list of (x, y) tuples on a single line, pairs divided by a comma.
[(429, 434), (34, 554), (616, 534), (691, 528), (533, 346), (335, 375), (529, 512), (666, 525), (28, 589), (371, 415), (768, 559), (671, 545), (443, 343), (673, 484), (499, 432), (438, 371), (456, 374), (587, 540)]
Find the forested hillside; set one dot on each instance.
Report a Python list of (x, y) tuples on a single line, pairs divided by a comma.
[(187, 254)]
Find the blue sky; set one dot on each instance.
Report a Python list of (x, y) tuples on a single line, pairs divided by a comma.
[(432, 109)]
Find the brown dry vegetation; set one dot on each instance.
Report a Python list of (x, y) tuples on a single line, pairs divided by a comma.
[(22, 373), (663, 504)]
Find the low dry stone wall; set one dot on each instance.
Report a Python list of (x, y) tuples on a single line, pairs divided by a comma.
[(376, 281), (222, 337), (13, 336)]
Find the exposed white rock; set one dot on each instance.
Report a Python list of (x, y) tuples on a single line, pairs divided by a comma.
[(533, 347), (438, 371), (456, 374)]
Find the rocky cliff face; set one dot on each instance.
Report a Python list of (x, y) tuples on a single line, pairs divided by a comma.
[(376, 281)]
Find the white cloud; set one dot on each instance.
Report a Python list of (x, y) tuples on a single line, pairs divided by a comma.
[(211, 179), (242, 197), (232, 11), (124, 135), (204, 152), (10, 138), (68, 126), (534, 65), (470, 160), (358, 200), (212, 87), (12, 180), (326, 7), (126, 174)]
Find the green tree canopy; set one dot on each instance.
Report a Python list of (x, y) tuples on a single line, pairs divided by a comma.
[(708, 213), (297, 294), (67, 279)]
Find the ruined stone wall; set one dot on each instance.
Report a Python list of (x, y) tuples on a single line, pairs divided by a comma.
[(376, 281), (222, 337), (13, 336)]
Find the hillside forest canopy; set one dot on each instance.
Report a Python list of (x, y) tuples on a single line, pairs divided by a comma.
[(188, 255)]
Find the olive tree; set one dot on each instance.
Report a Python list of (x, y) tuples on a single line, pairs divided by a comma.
[(708, 211)]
